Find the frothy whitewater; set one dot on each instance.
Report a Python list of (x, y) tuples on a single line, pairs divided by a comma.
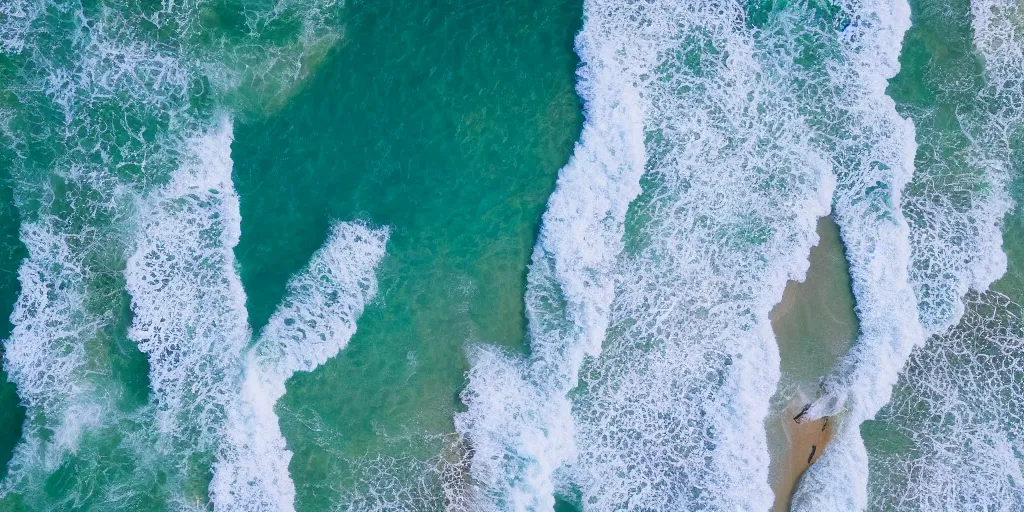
[(139, 163), (670, 412), (212, 394)]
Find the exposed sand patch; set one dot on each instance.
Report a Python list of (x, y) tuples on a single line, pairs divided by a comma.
[(814, 324)]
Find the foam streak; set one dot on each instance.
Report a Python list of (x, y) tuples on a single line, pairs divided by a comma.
[(691, 299), (314, 323), (45, 355), (215, 394), (519, 421)]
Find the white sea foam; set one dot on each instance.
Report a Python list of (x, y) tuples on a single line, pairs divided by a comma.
[(952, 247), (873, 148), (72, 201), (671, 416), (874, 151), (956, 404), (671, 413), (16, 17), (518, 420), (45, 356), (319, 313), (958, 410), (957, 204), (314, 323), (403, 483), (110, 97), (187, 299), (214, 394)]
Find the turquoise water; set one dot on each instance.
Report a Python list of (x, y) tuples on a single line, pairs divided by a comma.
[(470, 255), (446, 123)]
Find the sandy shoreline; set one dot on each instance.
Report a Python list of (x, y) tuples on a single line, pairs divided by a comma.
[(814, 324), (805, 442)]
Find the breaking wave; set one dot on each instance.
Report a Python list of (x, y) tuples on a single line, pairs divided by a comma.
[(187, 299), (314, 323), (120, 122), (717, 133), (518, 420), (215, 395), (669, 414), (950, 438), (954, 425)]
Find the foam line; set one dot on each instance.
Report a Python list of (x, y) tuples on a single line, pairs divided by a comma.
[(45, 356), (671, 416), (862, 383), (712, 253), (318, 316), (214, 394), (518, 420), (315, 322), (874, 149), (957, 205), (187, 299), (115, 100)]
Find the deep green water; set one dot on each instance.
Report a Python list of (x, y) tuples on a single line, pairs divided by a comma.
[(11, 253)]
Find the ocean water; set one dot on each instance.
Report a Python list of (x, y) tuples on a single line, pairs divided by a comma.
[(510, 255)]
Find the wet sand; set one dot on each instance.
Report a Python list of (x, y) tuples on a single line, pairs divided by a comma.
[(804, 444), (814, 324)]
